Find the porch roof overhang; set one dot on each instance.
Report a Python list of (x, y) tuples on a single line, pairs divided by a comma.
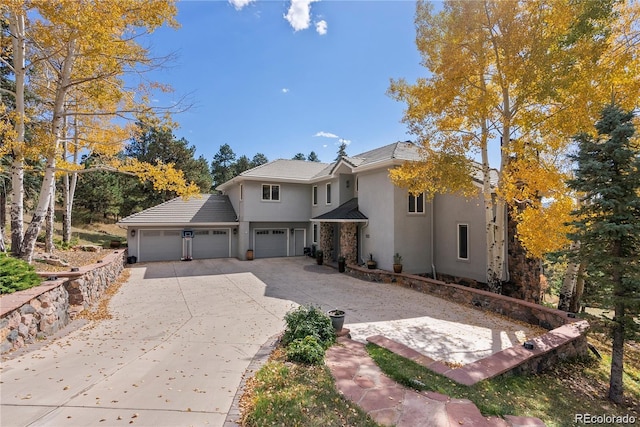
[(346, 212)]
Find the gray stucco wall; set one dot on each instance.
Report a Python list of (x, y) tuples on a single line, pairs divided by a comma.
[(294, 203), (377, 238), (412, 238), (449, 211), (322, 207)]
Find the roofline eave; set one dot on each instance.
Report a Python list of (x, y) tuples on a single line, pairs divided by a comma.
[(175, 224)]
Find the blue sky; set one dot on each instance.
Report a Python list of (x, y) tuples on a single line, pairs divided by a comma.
[(263, 83)]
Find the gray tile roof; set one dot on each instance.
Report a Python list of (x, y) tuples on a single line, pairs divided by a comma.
[(287, 169), (346, 211), (398, 150), (208, 208)]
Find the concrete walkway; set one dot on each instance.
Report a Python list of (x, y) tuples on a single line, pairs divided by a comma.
[(183, 334)]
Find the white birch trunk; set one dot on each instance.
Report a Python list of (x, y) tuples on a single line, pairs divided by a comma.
[(69, 190), (50, 228), (17, 29), (49, 175), (569, 282)]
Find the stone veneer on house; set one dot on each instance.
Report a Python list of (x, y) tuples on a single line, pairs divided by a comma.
[(36, 313)]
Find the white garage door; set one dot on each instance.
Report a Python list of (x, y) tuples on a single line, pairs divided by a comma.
[(211, 244), (270, 243), (160, 245)]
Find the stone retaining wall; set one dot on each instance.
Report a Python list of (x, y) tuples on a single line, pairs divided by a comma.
[(36, 313), (566, 337)]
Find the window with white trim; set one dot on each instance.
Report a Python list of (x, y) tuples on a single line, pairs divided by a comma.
[(315, 233), (271, 192), (241, 192), (329, 193), (463, 241), (314, 195), (416, 203)]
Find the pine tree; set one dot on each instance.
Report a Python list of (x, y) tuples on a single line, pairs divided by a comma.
[(342, 151), (607, 225), (299, 156), (313, 157)]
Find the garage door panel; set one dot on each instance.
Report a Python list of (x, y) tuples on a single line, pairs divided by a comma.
[(270, 243), (211, 244), (160, 245)]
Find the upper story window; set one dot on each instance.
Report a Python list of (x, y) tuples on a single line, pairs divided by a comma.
[(463, 241), (314, 195), (241, 192), (329, 193), (271, 192), (416, 203)]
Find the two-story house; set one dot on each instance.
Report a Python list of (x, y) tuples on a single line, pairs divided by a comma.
[(348, 208)]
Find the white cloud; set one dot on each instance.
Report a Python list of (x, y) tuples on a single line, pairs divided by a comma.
[(321, 27), (324, 145), (344, 141), (239, 4), (326, 134), (285, 90), (299, 14)]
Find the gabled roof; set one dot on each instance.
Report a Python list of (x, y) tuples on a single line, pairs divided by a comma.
[(347, 212), (204, 210), (281, 170), (406, 150), (302, 171)]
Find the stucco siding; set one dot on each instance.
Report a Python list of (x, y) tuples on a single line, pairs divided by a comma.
[(449, 211), (294, 203), (322, 207), (412, 239), (373, 201)]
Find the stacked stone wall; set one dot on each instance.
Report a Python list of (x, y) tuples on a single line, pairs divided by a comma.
[(36, 313), (566, 337), (349, 242)]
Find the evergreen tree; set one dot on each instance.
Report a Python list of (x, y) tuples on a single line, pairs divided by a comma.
[(299, 156), (342, 151), (158, 144), (222, 165), (313, 157), (242, 164), (607, 225), (258, 159), (99, 192)]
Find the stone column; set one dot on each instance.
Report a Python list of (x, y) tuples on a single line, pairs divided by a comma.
[(349, 242), (326, 240)]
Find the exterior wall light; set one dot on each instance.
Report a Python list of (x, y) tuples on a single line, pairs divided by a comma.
[(133, 233)]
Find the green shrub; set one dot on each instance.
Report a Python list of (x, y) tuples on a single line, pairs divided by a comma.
[(16, 275), (307, 320), (305, 350)]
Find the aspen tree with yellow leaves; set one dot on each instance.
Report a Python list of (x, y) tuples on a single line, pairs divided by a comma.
[(518, 78), (74, 54)]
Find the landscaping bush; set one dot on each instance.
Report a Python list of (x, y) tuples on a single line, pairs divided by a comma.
[(305, 350), (306, 321), (16, 275)]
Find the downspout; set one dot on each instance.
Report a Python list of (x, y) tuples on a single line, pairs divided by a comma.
[(432, 238)]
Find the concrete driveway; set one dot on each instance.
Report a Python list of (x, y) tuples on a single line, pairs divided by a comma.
[(183, 334)]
